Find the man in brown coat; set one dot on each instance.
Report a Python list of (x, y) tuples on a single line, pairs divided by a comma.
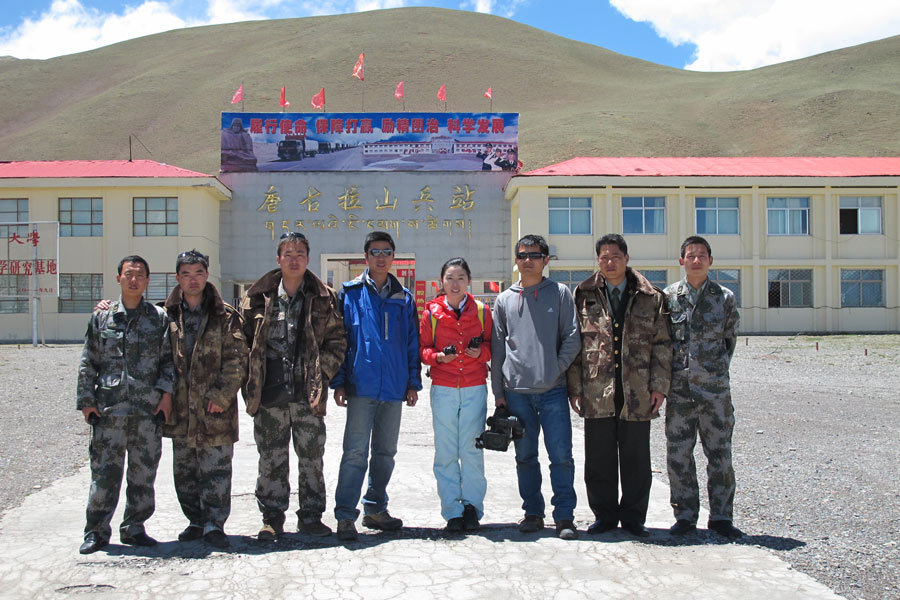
[(618, 383), (297, 343), (210, 357)]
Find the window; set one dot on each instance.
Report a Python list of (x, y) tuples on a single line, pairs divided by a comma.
[(155, 216), (159, 287), (81, 217), (13, 210), (570, 216), (728, 278), (9, 288), (860, 214), (569, 278), (790, 288), (862, 287), (79, 292), (717, 216), (788, 216), (656, 276), (643, 214)]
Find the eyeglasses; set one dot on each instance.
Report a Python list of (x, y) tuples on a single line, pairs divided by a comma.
[(292, 235), (380, 252), (531, 255)]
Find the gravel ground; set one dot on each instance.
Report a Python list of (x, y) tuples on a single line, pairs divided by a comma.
[(816, 449)]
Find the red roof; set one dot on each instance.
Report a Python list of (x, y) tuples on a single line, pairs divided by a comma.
[(92, 168), (721, 166)]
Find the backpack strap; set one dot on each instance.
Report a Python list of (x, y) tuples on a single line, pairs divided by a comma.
[(480, 307), (433, 327)]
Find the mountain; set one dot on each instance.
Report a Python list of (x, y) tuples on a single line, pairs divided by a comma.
[(575, 99)]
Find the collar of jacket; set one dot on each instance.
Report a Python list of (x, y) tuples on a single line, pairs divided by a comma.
[(267, 285), (118, 308), (212, 300), (636, 282), (684, 288), (397, 292)]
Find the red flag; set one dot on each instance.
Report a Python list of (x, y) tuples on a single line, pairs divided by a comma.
[(284, 103), (318, 101), (442, 93), (494, 286), (358, 68), (238, 95), (398, 93), (489, 93)]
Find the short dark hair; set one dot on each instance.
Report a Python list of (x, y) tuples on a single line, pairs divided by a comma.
[(456, 262), (134, 258), (378, 236), (612, 239), (191, 257), (695, 239), (291, 237), (532, 239)]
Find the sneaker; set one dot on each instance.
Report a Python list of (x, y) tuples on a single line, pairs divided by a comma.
[(470, 518), (269, 532), (566, 530), (455, 525), (346, 531), (314, 527), (383, 521), (190, 533), (531, 524), (217, 539)]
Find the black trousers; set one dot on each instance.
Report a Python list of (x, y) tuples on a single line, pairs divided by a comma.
[(615, 448)]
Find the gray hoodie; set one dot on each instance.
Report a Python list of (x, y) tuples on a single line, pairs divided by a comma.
[(535, 338)]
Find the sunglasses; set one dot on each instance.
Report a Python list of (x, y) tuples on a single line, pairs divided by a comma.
[(381, 252), (531, 255), (293, 235), (194, 253)]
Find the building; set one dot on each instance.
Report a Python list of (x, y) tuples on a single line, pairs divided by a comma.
[(806, 244), (106, 210)]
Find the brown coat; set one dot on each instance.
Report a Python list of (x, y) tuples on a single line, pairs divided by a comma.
[(218, 368), (324, 340), (646, 349)]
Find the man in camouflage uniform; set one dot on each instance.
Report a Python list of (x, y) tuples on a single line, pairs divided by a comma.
[(295, 329), (125, 390), (704, 329), (618, 383), (210, 357)]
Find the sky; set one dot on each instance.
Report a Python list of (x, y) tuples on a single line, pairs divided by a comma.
[(702, 35)]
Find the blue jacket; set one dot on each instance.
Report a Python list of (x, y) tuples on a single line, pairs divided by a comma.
[(382, 360)]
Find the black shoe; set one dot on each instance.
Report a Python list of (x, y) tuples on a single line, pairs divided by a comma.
[(599, 527), (92, 543), (455, 525), (566, 530), (138, 539), (470, 518), (217, 539), (636, 529), (725, 529), (190, 533), (531, 524), (682, 527)]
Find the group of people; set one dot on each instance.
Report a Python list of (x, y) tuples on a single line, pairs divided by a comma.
[(612, 352)]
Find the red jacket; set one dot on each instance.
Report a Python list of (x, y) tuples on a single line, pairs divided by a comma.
[(464, 371)]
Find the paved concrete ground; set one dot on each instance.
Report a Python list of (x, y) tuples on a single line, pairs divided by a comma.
[(39, 542)]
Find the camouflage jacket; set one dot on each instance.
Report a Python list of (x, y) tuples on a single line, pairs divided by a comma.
[(646, 349), (126, 365), (213, 373), (703, 337), (324, 342)]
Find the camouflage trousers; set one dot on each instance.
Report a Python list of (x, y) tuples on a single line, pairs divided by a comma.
[(273, 428), (713, 418), (203, 483), (112, 439)]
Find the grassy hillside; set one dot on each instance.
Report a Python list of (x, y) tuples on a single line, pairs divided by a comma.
[(575, 99)]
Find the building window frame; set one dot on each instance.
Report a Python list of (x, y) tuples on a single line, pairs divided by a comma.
[(651, 211), (793, 214), (714, 205), (155, 216), (79, 292), (570, 277), (856, 213), (859, 286), (790, 288), (78, 220), (657, 277), (13, 210), (10, 300), (159, 282), (570, 210), (728, 278)]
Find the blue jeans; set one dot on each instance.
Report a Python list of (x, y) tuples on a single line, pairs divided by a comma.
[(548, 411), (458, 418), (367, 419)]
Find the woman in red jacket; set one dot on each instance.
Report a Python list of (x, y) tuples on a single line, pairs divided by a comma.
[(455, 342)]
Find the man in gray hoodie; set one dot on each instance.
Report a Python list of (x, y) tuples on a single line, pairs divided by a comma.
[(535, 338)]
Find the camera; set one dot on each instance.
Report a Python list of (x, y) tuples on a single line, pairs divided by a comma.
[(475, 342), (503, 428), (451, 349)]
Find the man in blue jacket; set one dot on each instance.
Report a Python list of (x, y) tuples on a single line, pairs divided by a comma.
[(380, 371)]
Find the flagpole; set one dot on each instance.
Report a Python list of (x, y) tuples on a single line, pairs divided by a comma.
[(285, 95), (242, 95), (364, 96)]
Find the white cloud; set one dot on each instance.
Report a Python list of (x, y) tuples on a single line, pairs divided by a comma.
[(745, 34), (504, 8)]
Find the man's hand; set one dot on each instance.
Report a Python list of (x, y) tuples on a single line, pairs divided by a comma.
[(412, 396), (165, 405), (575, 403), (102, 305), (340, 398), (499, 401), (214, 408), (87, 411), (656, 402)]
